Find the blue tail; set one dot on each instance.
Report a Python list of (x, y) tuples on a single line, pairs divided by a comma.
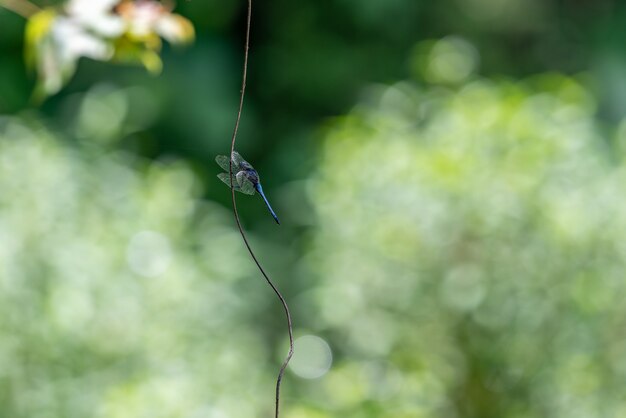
[(260, 190)]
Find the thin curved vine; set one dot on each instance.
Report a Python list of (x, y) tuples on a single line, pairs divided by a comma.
[(236, 213)]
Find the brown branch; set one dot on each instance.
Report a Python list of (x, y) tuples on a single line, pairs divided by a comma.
[(23, 8), (241, 231)]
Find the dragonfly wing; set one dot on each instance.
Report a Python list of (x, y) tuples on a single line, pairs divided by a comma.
[(245, 185), (237, 158), (240, 162), (224, 162), (226, 179)]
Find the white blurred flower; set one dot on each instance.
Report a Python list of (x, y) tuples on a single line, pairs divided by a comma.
[(77, 7), (73, 41), (146, 17), (174, 28), (141, 17), (59, 52), (119, 30), (96, 15)]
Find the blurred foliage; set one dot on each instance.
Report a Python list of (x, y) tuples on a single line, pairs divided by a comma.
[(466, 260), (451, 245), (469, 258), (121, 293)]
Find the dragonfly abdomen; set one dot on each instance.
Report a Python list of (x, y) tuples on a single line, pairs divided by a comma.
[(259, 189)]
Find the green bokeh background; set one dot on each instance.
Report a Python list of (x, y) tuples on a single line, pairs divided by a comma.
[(449, 175)]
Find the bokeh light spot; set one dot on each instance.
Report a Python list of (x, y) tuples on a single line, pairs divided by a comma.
[(102, 114), (149, 254), (312, 358), (451, 60), (463, 289)]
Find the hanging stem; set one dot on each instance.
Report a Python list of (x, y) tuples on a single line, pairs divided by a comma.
[(236, 213), (23, 8)]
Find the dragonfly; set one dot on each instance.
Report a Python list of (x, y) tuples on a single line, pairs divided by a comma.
[(245, 178)]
